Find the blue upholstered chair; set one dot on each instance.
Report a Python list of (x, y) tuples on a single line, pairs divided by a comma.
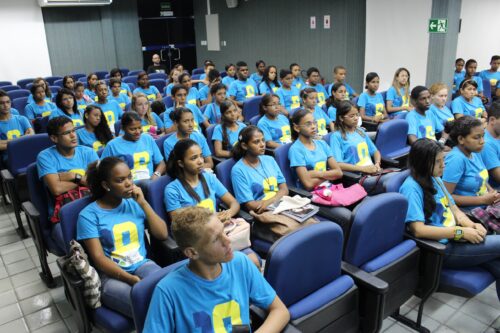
[(19, 104), (251, 107), (158, 83), (160, 76), (197, 71), (52, 79), (13, 94), (22, 83), (101, 74), (391, 141)]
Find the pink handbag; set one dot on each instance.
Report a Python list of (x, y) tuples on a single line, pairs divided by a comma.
[(336, 195)]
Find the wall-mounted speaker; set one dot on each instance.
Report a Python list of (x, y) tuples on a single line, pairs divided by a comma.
[(232, 3)]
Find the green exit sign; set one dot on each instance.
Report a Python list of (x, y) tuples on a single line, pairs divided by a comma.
[(439, 25)]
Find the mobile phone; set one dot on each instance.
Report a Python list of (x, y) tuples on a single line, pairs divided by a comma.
[(241, 329)]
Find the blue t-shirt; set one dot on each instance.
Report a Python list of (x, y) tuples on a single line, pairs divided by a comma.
[(112, 112), (256, 77), (442, 115), (192, 96), (322, 93), (34, 110), (150, 92), (141, 155), (298, 82), (289, 98), (277, 130), (12, 128), (228, 80), (423, 126), (474, 108), (264, 88), (120, 231), (372, 104), (469, 174), (146, 126), (259, 183), (354, 149), (315, 159), (32, 100), (457, 79), (493, 77), (491, 154), (86, 138), (397, 100), (203, 93), (91, 94), (242, 90), (442, 215), (177, 197), (349, 93), (185, 302), (122, 99), (212, 113), (125, 89), (197, 115), (232, 136), (82, 104), (76, 118), (168, 89), (170, 142), (322, 120), (332, 113)]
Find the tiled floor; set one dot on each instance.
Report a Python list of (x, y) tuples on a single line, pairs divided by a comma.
[(27, 305)]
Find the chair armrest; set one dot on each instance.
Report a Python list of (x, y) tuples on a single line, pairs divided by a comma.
[(270, 151), (350, 178), (365, 280), (299, 191), (6, 175), (259, 316), (390, 163), (30, 210), (244, 215), (168, 244), (427, 244), (218, 160)]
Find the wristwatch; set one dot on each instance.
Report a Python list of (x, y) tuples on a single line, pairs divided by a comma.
[(459, 234), (156, 173), (78, 178)]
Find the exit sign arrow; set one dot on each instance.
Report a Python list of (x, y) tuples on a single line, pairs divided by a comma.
[(439, 25)]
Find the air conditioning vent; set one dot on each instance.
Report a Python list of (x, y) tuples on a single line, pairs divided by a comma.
[(73, 3)]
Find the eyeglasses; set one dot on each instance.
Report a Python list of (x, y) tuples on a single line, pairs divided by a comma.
[(352, 116), (308, 124)]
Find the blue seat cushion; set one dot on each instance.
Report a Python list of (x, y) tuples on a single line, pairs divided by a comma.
[(390, 256), (261, 245), (320, 297), (54, 241), (398, 152), (474, 280), (112, 321)]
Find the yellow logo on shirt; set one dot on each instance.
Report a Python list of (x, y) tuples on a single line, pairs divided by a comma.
[(192, 101), (295, 102), (363, 154), (97, 145), (81, 172), (13, 134), (77, 122), (429, 133), (379, 108), (320, 166), (46, 113), (449, 219), (287, 135), (270, 187), (321, 126), (321, 99), (151, 97), (222, 311), (483, 189), (479, 112), (250, 91), (207, 203), (493, 82)]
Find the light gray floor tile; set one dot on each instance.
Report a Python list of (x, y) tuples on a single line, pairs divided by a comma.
[(388, 322), (57, 327), (463, 323), (445, 329), (5, 285), (8, 239), (11, 247), (57, 294), (489, 297), (28, 242), (7, 298), (14, 256), (451, 300), (438, 310), (30, 289), (43, 317), (3, 272), (15, 326), (20, 266), (9, 313), (64, 308), (427, 321), (398, 328), (35, 303), (25, 277), (480, 311)]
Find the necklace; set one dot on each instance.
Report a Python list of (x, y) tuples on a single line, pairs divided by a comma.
[(263, 175)]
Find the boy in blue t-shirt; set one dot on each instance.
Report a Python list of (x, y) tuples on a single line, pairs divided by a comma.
[(491, 148), (215, 289), (116, 95), (11, 126), (339, 75), (244, 87), (492, 74), (314, 78), (257, 76)]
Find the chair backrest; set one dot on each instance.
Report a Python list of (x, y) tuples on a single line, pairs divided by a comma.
[(223, 173), (52, 79), (131, 85), (69, 218), (304, 245), (83, 79), (58, 83), (377, 226), (130, 79), (251, 107), (11, 87), (195, 76), (154, 76), (156, 195), (142, 292), (384, 95), (355, 100), (124, 71), (54, 89), (118, 127), (281, 157), (40, 124), (223, 74), (255, 119), (168, 101), (327, 137), (134, 72), (198, 71), (5, 83), (20, 103), (487, 88), (391, 136), (210, 133), (22, 83), (401, 115), (30, 146), (158, 83), (161, 140), (77, 76), (107, 76), (101, 74), (38, 195), (395, 181), (13, 94)]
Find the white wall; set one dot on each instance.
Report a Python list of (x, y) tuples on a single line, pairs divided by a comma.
[(396, 36), (24, 45), (478, 37)]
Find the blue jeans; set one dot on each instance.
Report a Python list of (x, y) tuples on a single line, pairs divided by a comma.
[(115, 294), (485, 255)]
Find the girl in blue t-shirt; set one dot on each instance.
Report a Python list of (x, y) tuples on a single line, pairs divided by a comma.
[(192, 93), (96, 133), (433, 214), (40, 107), (269, 83), (91, 90), (470, 74), (116, 95), (289, 95), (173, 79), (371, 103), (274, 125), (468, 104), (150, 121), (465, 174), (144, 87), (230, 75), (438, 108), (310, 103), (212, 110), (179, 92), (398, 95), (46, 88), (67, 107), (117, 74), (69, 82), (183, 120), (298, 82), (458, 74), (225, 134), (112, 229), (257, 77), (81, 99), (337, 94), (111, 109)]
